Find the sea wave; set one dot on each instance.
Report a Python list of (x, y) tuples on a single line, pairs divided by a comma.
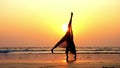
[(79, 50)]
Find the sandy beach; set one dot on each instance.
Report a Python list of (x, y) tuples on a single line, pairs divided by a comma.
[(58, 61)]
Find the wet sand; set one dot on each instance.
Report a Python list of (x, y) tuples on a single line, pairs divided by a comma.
[(58, 61)]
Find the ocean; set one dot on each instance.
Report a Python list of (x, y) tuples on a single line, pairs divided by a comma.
[(79, 50), (41, 57)]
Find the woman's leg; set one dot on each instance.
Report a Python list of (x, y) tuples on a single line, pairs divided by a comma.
[(67, 54)]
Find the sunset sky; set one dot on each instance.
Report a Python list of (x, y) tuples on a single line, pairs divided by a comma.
[(31, 23)]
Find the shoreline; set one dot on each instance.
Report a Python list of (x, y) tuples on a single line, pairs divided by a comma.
[(58, 61), (59, 65)]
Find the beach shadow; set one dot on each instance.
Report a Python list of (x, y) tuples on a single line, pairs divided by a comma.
[(71, 64), (71, 61)]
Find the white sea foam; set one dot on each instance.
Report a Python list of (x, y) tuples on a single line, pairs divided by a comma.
[(80, 50)]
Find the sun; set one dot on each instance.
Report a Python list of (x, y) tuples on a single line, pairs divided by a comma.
[(65, 27)]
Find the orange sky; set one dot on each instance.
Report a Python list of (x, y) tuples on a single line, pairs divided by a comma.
[(39, 23)]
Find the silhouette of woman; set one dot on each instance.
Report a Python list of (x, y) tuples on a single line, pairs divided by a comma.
[(68, 38)]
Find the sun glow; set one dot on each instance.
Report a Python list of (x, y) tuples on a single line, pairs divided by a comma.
[(65, 27)]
